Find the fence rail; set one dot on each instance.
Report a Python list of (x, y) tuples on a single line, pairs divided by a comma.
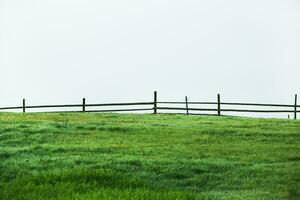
[(225, 103), (226, 110), (156, 106)]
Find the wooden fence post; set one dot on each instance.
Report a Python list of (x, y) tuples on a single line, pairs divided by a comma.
[(295, 109), (186, 105), (219, 105), (155, 102), (24, 105), (83, 105)]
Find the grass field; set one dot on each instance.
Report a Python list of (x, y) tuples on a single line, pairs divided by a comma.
[(131, 156)]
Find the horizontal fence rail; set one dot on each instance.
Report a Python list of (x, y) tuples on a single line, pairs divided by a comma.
[(156, 105), (121, 104), (223, 103), (78, 105), (225, 110)]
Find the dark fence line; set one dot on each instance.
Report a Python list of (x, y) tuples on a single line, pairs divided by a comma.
[(91, 111), (225, 103), (225, 110), (156, 108), (78, 105)]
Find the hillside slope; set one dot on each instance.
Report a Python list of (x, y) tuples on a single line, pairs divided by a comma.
[(131, 156)]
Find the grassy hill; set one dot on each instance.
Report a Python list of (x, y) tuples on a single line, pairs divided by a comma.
[(131, 156)]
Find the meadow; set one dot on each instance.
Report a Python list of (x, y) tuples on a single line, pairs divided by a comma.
[(145, 156)]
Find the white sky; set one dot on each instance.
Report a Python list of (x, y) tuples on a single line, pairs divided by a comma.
[(58, 51)]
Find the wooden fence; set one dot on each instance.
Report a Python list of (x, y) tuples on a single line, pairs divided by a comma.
[(156, 105)]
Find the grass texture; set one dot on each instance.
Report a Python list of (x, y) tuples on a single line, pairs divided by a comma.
[(144, 156)]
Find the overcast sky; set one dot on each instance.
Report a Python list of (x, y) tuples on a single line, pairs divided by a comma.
[(58, 51)]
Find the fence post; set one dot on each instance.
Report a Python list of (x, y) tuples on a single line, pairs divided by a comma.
[(24, 105), (83, 105), (295, 109), (155, 102), (219, 105), (186, 105)]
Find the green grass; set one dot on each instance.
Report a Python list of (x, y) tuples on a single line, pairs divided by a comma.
[(124, 156)]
